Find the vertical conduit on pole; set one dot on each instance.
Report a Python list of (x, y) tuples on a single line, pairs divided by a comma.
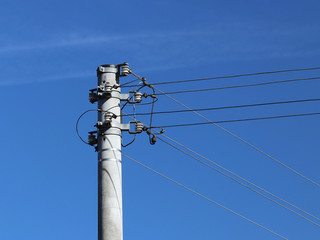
[(109, 157)]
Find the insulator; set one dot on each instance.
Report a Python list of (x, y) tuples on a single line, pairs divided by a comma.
[(108, 116), (139, 127), (108, 88), (138, 97), (153, 139), (92, 140), (105, 88), (93, 97), (125, 70), (99, 124)]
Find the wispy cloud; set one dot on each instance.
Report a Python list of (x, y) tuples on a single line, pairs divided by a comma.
[(85, 74), (75, 40), (167, 50)]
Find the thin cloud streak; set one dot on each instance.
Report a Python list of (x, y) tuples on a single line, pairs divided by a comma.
[(79, 41), (85, 74)]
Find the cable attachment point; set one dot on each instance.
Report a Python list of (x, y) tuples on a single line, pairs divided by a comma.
[(138, 97), (108, 117), (152, 137), (93, 97), (125, 70), (145, 95), (145, 83), (102, 89), (139, 127), (92, 139)]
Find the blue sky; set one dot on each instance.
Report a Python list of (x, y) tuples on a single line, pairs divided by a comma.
[(49, 51)]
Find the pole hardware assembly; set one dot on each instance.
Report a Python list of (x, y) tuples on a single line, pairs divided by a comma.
[(136, 96), (107, 142)]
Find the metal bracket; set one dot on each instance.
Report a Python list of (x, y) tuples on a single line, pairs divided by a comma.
[(121, 96), (138, 127), (96, 96), (137, 96)]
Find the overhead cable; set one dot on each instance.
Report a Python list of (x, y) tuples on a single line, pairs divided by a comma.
[(238, 86), (241, 139), (77, 123), (202, 196), (124, 84), (244, 185), (236, 76), (230, 107), (238, 120), (234, 174)]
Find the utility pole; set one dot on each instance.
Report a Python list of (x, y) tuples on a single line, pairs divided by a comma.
[(107, 142), (109, 155)]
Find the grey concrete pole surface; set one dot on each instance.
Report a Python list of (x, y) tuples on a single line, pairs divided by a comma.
[(109, 159)]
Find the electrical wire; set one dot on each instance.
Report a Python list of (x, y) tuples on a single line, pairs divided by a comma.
[(202, 196), (154, 99), (244, 185), (236, 175), (148, 103), (230, 107), (241, 139), (137, 76), (127, 102), (135, 80), (134, 111), (135, 135), (237, 75), (232, 173), (77, 123), (238, 120), (151, 115), (85, 112), (238, 86)]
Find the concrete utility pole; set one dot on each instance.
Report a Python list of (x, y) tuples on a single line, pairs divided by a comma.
[(108, 146), (109, 155)]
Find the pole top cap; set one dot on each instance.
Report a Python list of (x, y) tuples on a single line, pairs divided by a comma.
[(107, 68)]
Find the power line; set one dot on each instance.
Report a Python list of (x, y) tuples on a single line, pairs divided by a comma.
[(241, 139), (230, 107), (77, 124), (79, 118), (216, 164), (236, 76), (250, 188), (238, 120), (135, 80), (238, 86), (202, 196), (234, 174)]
